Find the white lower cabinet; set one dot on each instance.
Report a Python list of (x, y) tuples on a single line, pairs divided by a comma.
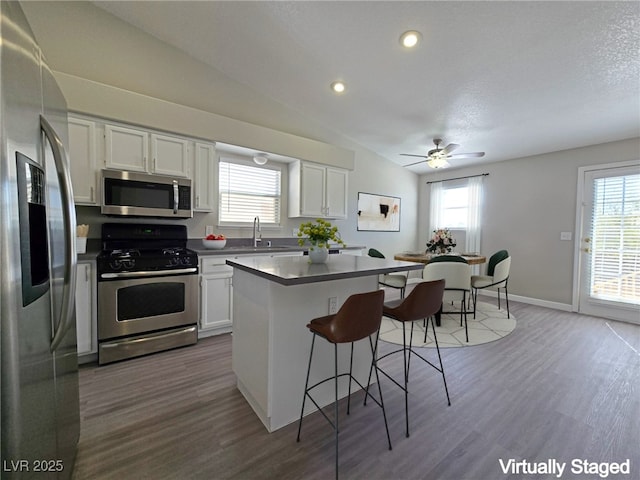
[(86, 309), (216, 293)]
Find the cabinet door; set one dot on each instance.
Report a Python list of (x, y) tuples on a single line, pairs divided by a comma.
[(82, 159), (312, 190), (216, 300), (205, 176), (86, 309), (126, 148), (170, 156), (336, 196)]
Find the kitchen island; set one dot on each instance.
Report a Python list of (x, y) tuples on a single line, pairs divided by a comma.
[(273, 300)]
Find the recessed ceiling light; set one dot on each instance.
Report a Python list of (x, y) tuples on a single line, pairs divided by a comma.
[(410, 39), (338, 87)]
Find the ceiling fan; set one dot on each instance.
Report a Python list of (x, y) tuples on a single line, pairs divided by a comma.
[(437, 158)]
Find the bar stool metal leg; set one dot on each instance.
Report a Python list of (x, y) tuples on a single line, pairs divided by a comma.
[(335, 377), (306, 387)]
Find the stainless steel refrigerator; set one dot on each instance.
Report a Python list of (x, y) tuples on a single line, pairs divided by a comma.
[(39, 382)]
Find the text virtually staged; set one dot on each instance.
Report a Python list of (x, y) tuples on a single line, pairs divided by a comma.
[(558, 468)]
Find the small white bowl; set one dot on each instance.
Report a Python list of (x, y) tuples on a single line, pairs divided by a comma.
[(213, 244)]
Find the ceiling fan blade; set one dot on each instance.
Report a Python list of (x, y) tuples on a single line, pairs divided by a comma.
[(412, 155), (415, 163), (466, 155), (449, 148)]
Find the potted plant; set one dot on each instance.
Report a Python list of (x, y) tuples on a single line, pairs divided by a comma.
[(318, 234)]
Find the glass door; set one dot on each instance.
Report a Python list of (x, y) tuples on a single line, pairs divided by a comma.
[(609, 258)]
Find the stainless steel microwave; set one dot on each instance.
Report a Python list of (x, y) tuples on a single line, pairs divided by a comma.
[(141, 194)]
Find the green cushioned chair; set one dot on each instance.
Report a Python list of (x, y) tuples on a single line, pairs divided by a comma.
[(456, 273), (448, 258), (398, 281), (497, 276)]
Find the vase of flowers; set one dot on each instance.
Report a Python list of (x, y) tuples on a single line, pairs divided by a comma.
[(317, 235), (441, 242)]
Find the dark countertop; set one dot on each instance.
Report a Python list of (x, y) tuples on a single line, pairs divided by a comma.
[(234, 246), (298, 270), (245, 249)]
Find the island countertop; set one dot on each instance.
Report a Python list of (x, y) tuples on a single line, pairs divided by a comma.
[(298, 270)]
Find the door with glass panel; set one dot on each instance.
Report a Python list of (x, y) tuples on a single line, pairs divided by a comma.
[(609, 257)]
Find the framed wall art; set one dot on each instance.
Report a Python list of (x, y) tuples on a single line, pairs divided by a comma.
[(378, 213)]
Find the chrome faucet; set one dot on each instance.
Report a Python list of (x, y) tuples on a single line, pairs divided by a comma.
[(256, 221)]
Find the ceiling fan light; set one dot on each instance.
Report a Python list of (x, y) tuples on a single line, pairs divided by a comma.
[(437, 162), (260, 159), (410, 38)]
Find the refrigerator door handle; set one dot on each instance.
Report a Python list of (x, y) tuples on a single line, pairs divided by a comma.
[(69, 216)]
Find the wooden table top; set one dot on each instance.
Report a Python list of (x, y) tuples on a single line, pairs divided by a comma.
[(426, 258)]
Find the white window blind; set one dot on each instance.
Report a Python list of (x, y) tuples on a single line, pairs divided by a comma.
[(615, 257), (246, 191)]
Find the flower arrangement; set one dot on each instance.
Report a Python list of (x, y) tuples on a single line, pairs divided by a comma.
[(318, 234), (441, 241)]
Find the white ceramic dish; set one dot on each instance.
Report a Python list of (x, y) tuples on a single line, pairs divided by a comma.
[(213, 244)]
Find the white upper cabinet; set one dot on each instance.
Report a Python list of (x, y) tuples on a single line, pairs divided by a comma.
[(204, 179), (126, 148), (82, 160), (170, 156), (317, 191), (336, 192)]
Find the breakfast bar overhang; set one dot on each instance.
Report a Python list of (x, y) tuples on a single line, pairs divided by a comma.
[(273, 300)]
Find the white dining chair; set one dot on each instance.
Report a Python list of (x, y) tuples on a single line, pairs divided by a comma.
[(457, 277), (497, 277)]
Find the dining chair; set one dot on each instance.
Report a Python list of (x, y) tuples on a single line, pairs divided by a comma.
[(456, 273), (392, 280), (497, 277)]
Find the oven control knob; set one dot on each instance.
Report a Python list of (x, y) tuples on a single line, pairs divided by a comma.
[(186, 261), (115, 264)]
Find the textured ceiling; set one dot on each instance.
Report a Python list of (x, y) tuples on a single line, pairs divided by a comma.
[(512, 79)]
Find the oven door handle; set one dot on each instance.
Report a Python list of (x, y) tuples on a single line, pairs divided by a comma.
[(149, 273), (176, 197)]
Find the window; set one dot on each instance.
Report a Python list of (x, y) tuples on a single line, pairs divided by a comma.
[(615, 258), (247, 191), (457, 206)]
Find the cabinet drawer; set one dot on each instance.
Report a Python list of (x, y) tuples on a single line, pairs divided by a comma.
[(214, 265)]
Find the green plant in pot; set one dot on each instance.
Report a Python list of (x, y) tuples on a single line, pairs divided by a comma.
[(317, 235)]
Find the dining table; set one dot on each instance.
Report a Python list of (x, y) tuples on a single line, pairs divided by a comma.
[(425, 258), (422, 257)]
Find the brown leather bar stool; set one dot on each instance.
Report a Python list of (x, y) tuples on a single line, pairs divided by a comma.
[(422, 303), (358, 318)]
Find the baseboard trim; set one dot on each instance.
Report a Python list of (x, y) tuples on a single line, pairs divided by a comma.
[(565, 307)]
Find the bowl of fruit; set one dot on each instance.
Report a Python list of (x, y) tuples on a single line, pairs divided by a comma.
[(214, 242)]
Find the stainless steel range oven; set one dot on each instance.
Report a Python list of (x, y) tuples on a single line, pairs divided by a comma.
[(147, 290)]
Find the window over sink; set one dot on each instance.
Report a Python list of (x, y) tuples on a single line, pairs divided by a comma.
[(247, 190)]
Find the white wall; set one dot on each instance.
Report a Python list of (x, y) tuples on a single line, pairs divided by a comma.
[(527, 203)]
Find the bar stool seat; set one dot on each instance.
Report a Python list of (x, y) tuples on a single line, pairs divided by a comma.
[(424, 301), (358, 318)]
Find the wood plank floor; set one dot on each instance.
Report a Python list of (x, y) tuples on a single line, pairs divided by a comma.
[(561, 386)]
